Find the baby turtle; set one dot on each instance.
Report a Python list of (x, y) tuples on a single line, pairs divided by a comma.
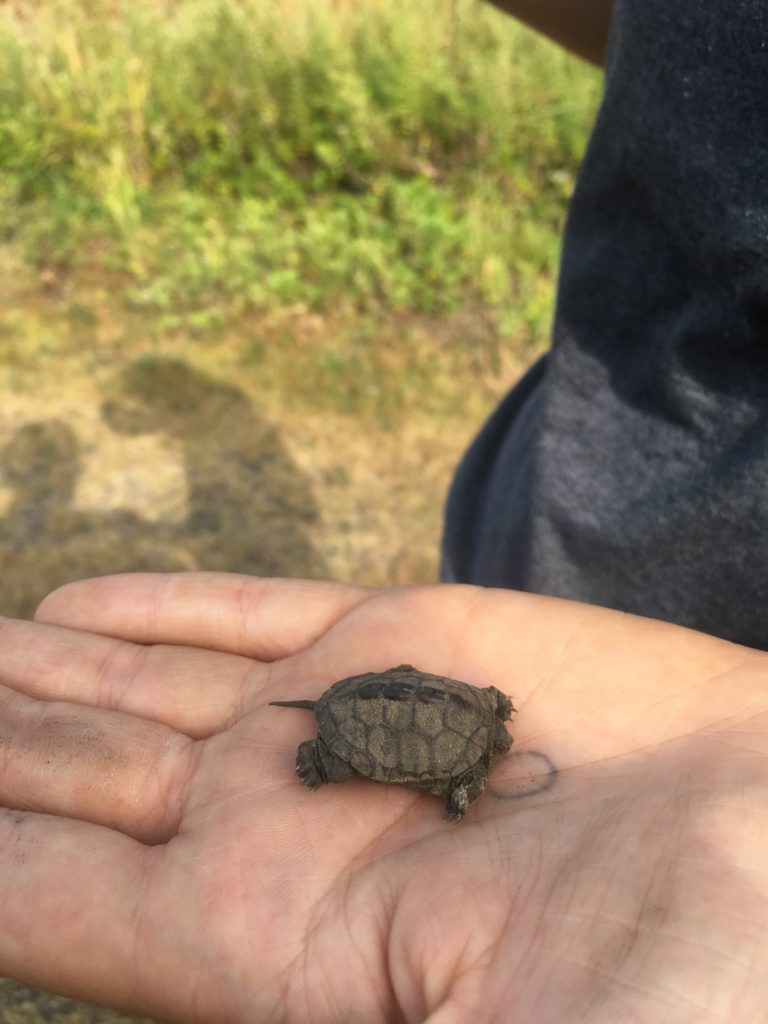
[(402, 726)]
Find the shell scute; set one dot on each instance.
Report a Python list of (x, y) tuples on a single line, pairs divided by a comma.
[(404, 726)]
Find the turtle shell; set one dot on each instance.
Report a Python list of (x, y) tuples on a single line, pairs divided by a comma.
[(408, 727)]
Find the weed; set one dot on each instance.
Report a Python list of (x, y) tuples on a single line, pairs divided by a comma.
[(231, 156)]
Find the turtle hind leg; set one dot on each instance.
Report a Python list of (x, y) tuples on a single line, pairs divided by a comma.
[(316, 765), (464, 789)]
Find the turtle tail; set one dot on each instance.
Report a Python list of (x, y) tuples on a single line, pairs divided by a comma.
[(308, 704)]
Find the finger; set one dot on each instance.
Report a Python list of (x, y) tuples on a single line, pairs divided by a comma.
[(69, 908), (193, 691), (99, 766), (260, 618)]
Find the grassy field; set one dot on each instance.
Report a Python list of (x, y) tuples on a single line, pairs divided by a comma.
[(264, 269), (226, 155)]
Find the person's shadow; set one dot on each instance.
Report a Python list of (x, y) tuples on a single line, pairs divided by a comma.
[(249, 509)]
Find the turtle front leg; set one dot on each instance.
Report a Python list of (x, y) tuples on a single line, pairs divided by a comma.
[(464, 789), (316, 765)]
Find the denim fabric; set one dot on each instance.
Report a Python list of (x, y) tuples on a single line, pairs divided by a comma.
[(629, 467)]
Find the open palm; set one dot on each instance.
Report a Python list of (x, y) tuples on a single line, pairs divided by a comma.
[(158, 853)]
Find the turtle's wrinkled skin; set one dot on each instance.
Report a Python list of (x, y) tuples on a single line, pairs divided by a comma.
[(406, 727)]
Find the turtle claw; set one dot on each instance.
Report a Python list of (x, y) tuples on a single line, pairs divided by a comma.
[(316, 765), (307, 765), (464, 790)]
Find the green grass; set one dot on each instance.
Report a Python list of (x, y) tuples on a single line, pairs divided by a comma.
[(229, 156)]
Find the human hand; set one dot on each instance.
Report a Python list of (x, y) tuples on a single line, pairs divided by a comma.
[(159, 855)]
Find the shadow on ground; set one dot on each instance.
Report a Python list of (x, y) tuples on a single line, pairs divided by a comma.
[(248, 507), (20, 1004)]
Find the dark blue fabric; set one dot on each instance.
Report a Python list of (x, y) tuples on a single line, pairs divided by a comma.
[(629, 467)]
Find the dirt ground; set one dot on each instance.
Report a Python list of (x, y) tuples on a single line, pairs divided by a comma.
[(292, 445), (20, 1004)]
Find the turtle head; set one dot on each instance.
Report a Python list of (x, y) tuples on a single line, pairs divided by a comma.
[(502, 705), (502, 709), (502, 741)]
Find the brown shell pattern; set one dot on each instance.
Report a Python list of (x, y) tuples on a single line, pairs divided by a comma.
[(406, 727)]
